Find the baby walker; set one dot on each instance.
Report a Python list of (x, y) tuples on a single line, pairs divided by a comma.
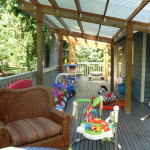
[(96, 128)]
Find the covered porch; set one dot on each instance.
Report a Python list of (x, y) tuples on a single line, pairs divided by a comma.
[(87, 24), (133, 134)]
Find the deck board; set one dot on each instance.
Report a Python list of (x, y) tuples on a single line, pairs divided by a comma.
[(133, 134)]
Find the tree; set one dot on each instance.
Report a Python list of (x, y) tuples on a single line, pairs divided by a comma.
[(88, 54)]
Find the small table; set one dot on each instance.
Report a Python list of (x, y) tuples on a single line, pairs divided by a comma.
[(96, 73)]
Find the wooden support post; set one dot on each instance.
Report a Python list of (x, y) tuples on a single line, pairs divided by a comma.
[(104, 52), (70, 52), (129, 67), (112, 67), (106, 63), (118, 65), (74, 59), (39, 46), (60, 53)]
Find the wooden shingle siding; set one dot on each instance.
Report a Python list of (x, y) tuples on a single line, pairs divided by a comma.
[(115, 61)]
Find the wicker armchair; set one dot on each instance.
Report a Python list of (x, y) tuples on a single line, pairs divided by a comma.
[(27, 103)]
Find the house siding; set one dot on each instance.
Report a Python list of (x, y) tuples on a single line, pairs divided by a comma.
[(137, 65), (147, 73)]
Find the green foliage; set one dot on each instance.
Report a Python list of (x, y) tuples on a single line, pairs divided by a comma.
[(17, 36), (47, 39), (87, 54), (65, 50)]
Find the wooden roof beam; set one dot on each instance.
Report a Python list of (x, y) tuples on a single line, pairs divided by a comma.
[(87, 17), (54, 4), (138, 9), (76, 39), (81, 27), (63, 24), (135, 12), (86, 42), (117, 33), (103, 16), (50, 22), (35, 2), (79, 35), (78, 6)]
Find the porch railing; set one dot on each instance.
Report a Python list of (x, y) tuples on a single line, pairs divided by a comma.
[(87, 67), (49, 75)]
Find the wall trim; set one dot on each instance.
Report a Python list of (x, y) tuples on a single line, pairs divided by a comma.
[(143, 68)]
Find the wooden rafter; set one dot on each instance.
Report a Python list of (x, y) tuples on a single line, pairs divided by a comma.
[(63, 24), (35, 2), (135, 12), (81, 27), (86, 42), (78, 6), (54, 4), (117, 33), (79, 11), (103, 16), (79, 35), (87, 17), (50, 22), (44, 22), (138, 9), (76, 39)]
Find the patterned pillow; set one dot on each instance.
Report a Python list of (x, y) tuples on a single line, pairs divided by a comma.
[(32, 129)]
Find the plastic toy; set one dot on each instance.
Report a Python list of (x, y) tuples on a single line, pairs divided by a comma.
[(96, 128), (110, 98)]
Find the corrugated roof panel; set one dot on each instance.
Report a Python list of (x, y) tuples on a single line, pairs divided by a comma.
[(70, 4), (107, 31), (122, 8), (72, 24), (90, 28), (45, 2), (93, 6), (144, 15), (52, 18)]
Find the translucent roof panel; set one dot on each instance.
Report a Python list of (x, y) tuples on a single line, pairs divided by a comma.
[(72, 24), (45, 2), (93, 6), (122, 8), (52, 18), (69, 4), (107, 31), (27, 0), (90, 28), (143, 15)]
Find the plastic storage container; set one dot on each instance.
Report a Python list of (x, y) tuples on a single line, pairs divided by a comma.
[(122, 88)]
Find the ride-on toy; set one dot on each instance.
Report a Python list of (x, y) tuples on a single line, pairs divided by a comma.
[(110, 99)]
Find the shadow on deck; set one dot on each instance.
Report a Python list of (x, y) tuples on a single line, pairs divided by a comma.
[(133, 134)]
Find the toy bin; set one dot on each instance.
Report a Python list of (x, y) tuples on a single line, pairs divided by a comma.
[(121, 88)]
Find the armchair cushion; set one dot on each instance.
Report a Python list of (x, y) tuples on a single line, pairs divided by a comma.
[(32, 129)]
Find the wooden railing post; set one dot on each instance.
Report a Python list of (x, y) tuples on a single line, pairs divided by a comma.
[(112, 67), (129, 67), (39, 46), (61, 53), (70, 52), (106, 63)]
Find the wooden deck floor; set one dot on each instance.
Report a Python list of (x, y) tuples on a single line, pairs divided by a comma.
[(133, 134)]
